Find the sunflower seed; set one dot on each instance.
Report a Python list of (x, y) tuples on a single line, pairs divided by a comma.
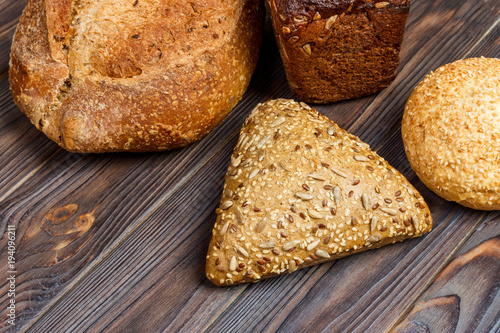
[(241, 250), (304, 195), (292, 266), (313, 245), (260, 155), (232, 264), (236, 162), (365, 201), (314, 214), (322, 254), (337, 194), (414, 220), (264, 140), (228, 193), (339, 172), (361, 158), (305, 106), (331, 130), (381, 4), (246, 162), (268, 244), (389, 211), (224, 228), (250, 142), (260, 226), (300, 18), (290, 245), (317, 176), (330, 21), (307, 48), (373, 223), (253, 173), (239, 216), (280, 120), (374, 238), (226, 204)]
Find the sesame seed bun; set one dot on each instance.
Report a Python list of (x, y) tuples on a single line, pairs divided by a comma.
[(451, 132)]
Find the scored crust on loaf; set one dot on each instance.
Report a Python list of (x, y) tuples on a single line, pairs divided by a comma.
[(300, 191), (451, 132), (335, 50), (140, 75)]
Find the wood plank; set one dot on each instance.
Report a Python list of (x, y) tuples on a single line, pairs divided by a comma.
[(465, 296), (20, 161), (11, 10)]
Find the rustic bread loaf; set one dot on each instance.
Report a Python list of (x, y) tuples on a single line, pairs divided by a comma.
[(451, 132), (300, 191), (140, 75), (334, 50)]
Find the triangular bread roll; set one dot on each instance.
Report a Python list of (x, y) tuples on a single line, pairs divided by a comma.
[(300, 191)]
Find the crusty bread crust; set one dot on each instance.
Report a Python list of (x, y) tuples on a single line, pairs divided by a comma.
[(103, 76), (300, 191), (451, 132), (335, 50)]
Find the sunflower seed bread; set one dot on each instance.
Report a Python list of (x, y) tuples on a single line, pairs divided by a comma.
[(300, 191), (138, 75), (335, 50)]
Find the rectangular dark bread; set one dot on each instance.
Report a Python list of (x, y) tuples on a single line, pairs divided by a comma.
[(340, 49)]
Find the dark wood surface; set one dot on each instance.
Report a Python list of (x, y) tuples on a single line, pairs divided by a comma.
[(117, 242)]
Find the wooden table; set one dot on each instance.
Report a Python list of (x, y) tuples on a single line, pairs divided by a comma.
[(127, 253)]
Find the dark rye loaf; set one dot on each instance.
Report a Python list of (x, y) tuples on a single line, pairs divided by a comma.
[(138, 75), (338, 49)]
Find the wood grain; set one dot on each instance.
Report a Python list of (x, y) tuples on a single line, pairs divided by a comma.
[(10, 12), (465, 296), (117, 242)]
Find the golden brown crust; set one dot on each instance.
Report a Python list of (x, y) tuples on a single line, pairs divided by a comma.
[(334, 50), (144, 76), (300, 191), (451, 132)]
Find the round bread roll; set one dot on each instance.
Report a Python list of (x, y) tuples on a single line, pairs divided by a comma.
[(137, 75), (451, 132)]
